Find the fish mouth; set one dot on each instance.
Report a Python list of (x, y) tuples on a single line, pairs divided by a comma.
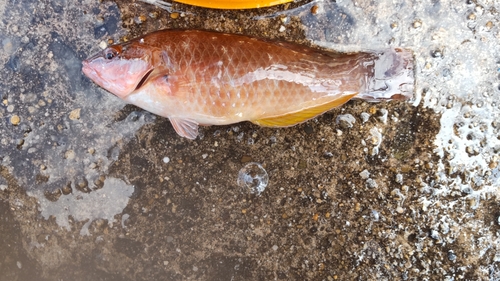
[(88, 70)]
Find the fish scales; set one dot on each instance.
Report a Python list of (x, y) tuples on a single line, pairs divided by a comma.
[(208, 78)]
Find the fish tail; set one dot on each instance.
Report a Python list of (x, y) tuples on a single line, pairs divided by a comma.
[(390, 76)]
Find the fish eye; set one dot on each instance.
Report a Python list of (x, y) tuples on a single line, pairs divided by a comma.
[(110, 53)]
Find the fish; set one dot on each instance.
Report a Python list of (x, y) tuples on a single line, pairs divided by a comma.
[(196, 77), (222, 4)]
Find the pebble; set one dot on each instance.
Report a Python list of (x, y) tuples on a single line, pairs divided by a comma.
[(364, 117), (103, 45), (371, 183), (70, 154), (314, 9), (15, 120), (10, 108), (246, 159), (357, 207), (451, 256), (345, 120), (166, 159), (399, 178), (75, 114), (364, 174)]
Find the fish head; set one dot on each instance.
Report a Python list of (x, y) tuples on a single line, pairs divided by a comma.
[(120, 69)]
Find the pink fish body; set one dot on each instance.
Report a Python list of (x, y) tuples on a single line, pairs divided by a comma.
[(206, 78)]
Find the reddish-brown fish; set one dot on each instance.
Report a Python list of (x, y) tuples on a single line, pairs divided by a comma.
[(208, 78)]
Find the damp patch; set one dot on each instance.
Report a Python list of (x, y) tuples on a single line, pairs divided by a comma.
[(103, 203)]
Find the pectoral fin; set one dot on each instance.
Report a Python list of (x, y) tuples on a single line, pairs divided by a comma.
[(185, 128), (293, 118)]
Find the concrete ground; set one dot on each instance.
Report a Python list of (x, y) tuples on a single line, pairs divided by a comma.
[(94, 189)]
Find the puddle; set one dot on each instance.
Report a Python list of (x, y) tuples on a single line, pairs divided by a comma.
[(104, 203)]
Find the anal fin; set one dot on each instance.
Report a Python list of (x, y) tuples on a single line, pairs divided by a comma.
[(185, 128), (296, 117)]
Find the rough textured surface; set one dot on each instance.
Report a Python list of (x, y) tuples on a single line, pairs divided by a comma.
[(92, 189)]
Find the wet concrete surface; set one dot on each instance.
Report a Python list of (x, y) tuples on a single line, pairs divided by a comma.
[(94, 189)]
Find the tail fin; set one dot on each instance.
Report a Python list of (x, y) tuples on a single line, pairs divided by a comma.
[(391, 77)]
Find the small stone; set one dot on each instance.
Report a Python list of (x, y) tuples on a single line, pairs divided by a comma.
[(417, 24), (282, 28), (15, 120), (364, 117), (103, 45), (10, 108), (75, 114), (452, 256), (400, 210), (399, 178), (69, 154), (434, 234), (174, 15), (308, 129), (345, 120), (246, 159), (371, 183), (154, 15), (166, 160), (357, 207), (275, 248), (66, 189), (437, 54), (302, 164), (364, 174), (372, 110), (314, 9)]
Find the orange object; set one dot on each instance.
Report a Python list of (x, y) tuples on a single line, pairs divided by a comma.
[(208, 78), (233, 4)]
